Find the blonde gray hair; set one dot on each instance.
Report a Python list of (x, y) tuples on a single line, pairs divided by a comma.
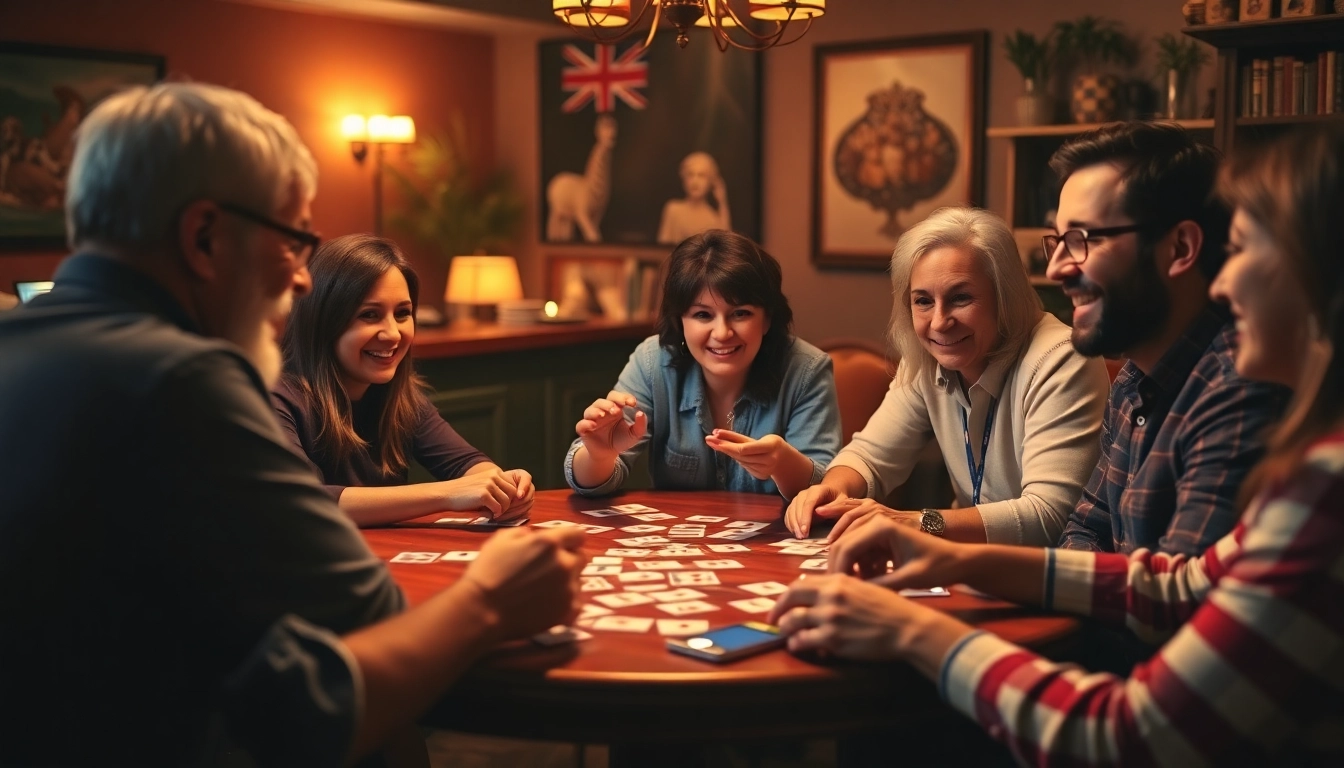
[(990, 239), (145, 153)]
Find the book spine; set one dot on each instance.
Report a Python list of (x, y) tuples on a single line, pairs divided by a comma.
[(1245, 80), (1339, 81), (1328, 99), (1298, 103), (1258, 88), (1275, 97), (1309, 87)]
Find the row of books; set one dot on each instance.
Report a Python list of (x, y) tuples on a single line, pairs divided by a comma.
[(1288, 86)]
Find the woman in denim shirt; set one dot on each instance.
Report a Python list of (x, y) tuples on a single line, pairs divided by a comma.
[(723, 397)]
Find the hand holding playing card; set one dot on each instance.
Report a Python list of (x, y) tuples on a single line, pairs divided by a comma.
[(528, 578), (761, 458), (798, 517), (854, 513), (604, 430), (485, 487), (919, 560)]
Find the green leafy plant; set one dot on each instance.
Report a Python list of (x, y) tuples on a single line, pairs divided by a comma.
[(1185, 56), (1032, 57), (448, 206), (1091, 41)]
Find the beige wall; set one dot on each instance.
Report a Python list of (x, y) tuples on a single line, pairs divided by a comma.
[(827, 303)]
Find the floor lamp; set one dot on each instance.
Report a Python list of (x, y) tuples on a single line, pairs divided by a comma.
[(377, 130)]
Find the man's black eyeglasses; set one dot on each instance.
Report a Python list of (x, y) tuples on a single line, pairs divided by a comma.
[(304, 242), (1075, 240)]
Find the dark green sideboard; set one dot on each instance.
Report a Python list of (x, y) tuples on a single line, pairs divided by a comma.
[(515, 392)]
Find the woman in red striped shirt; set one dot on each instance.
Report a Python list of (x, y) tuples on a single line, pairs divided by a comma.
[(1252, 670)]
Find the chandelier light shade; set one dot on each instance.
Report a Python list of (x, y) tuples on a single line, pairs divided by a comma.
[(753, 25)]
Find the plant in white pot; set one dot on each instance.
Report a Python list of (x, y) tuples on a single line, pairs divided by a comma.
[(451, 207), (1178, 64), (1033, 59), (1088, 44)]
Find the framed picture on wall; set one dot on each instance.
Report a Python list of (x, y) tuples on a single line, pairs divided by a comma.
[(899, 133), (648, 146), (44, 94)]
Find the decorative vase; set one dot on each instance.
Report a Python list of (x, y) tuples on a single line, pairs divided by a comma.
[(1094, 98), (1033, 107)]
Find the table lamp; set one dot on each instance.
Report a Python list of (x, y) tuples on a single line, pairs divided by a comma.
[(482, 282)]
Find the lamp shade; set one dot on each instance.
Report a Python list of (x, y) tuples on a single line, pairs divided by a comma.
[(354, 128), (483, 280), (398, 129)]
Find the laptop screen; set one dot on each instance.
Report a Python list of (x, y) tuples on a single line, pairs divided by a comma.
[(30, 288)]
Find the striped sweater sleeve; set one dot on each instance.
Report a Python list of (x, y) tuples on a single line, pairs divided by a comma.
[(1253, 676)]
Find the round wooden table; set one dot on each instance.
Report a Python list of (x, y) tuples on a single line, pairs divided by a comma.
[(628, 689)]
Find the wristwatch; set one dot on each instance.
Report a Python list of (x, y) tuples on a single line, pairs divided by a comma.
[(931, 522)]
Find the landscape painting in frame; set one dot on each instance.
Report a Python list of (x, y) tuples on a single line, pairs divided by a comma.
[(900, 126), (648, 146), (44, 94)]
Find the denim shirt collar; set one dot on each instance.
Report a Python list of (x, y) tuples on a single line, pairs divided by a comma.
[(693, 392)]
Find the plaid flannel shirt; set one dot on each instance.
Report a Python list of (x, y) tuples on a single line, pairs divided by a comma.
[(1251, 677), (1175, 446)]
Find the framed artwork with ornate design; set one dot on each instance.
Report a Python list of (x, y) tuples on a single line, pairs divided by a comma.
[(900, 128), (648, 146)]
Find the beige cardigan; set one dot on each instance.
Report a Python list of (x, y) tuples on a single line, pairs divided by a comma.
[(1043, 445)]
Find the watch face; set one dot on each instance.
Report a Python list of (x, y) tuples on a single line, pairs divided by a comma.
[(932, 522)]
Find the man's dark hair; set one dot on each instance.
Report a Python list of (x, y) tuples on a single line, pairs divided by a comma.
[(1168, 176)]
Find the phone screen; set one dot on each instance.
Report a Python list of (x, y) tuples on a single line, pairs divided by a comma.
[(733, 638)]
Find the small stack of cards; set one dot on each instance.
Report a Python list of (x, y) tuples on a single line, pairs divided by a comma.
[(424, 558)]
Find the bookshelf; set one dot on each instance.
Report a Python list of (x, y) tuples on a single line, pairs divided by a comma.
[(1308, 39)]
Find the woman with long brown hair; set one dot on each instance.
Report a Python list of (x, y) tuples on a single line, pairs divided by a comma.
[(1254, 628), (351, 403)]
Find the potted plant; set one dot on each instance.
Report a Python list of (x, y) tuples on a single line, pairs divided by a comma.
[(1179, 61), (1088, 44), (449, 207), (1032, 58)]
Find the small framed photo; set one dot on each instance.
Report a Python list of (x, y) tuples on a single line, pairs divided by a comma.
[(1303, 7), (45, 92), (1256, 10), (900, 133)]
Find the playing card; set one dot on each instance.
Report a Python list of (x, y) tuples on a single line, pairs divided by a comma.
[(734, 534), (553, 524), (686, 552), (622, 623), (480, 521), (633, 508), (687, 527), (804, 551), (654, 517), (747, 525), (765, 588), (601, 512), (688, 607), (618, 552), (692, 578), (657, 586), (596, 528), (658, 565), (559, 635), (633, 576), (460, 557), (454, 521), (686, 534), (594, 584), (682, 627), (753, 605), (623, 599), (677, 595), (643, 528), (642, 541), (717, 565), (728, 548), (815, 564), (590, 611), (705, 519), (930, 592), (416, 557), (604, 560), (601, 570)]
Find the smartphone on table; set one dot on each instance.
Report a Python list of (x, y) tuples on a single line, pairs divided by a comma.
[(730, 643)]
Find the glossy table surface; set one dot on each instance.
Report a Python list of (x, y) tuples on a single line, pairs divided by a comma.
[(629, 688)]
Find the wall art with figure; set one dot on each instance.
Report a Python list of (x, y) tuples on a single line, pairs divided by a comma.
[(648, 146), (44, 94), (900, 127)]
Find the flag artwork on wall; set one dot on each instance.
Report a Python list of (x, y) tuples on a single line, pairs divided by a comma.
[(646, 146)]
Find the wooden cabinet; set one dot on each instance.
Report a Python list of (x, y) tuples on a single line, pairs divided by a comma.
[(1301, 38), (516, 392)]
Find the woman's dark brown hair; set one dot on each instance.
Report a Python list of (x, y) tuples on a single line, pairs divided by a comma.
[(1293, 187), (740, 272), (344, 271)]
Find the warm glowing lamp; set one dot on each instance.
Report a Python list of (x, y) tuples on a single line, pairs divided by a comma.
[(398, 129), (483, 282), (593, 13), (377, 130)]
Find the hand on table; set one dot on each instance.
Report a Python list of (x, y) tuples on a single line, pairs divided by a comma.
[(521, 502), (491, 489), (798, 517), (529, 579), (918, 559), (854, 513), (838, 614), (603, 428), (760, 458)]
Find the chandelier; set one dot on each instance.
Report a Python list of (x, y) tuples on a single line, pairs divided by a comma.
[(763, 26)]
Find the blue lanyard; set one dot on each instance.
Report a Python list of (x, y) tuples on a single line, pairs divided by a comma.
[(978, 472)]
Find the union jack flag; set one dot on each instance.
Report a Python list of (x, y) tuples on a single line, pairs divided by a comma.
[(604, 78)]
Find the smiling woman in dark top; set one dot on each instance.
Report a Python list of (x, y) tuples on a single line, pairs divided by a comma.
[(352, 404)]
